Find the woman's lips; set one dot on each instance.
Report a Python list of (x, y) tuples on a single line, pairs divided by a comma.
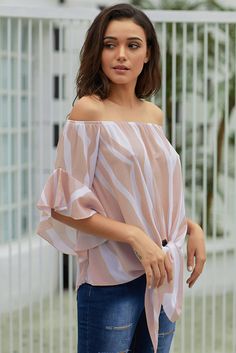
[(120, 68)]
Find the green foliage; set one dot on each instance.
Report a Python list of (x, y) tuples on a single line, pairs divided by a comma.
[(210, 5), (186, 5), (143, 4)]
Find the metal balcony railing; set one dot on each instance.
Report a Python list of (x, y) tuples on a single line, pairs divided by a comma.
[(39, 58)]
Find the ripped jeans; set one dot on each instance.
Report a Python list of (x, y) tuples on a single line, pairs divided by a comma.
[(111, 319)]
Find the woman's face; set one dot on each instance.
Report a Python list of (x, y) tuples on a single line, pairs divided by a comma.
[(124, 51)]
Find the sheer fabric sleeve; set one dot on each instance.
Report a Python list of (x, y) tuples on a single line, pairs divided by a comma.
[(69, 190)]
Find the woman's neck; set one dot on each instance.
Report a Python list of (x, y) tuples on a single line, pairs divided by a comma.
[(124, 97)]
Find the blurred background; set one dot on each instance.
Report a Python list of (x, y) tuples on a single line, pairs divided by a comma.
[(39, 59)]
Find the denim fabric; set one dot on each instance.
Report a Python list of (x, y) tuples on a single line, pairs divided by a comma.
[(111, 319)]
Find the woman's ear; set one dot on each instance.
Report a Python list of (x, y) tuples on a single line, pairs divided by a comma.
[(147, 56)]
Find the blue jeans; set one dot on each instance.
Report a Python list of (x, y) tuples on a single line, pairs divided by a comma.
[(111, 319)]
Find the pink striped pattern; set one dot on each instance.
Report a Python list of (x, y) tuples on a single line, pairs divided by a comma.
[(127, 171)]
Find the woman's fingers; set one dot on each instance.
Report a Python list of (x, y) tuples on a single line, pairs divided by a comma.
[(200, 261), (196, 252), (161, 269), (162, 273), (155, 261), (149, 276), (168, 267), (156, 275)]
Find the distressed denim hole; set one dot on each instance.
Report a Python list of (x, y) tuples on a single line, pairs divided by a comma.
[(166, 333), (124, 327), (125, 351)]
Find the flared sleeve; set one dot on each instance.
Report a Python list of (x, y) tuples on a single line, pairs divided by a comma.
[(69, 189)]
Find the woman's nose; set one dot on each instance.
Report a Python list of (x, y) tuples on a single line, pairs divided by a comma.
[(121, 53)]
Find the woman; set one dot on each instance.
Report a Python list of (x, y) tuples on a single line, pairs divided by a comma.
[(115, 198)]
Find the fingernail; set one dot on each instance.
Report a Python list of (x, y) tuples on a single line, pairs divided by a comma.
[(149, 287), (190, 268)]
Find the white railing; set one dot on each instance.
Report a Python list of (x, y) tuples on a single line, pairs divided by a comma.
[(39, 57)]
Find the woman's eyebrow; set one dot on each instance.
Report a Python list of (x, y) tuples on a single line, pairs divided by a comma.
[(130, 38)]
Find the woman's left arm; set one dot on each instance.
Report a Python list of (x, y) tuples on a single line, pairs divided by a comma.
[(196, 252)]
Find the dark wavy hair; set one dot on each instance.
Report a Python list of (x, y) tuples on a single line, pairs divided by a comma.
[(90, 78)]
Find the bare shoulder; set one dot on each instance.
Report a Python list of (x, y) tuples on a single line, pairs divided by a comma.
[(156, 114), (87, 108)]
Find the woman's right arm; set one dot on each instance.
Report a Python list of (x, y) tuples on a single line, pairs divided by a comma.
[(155, 261)]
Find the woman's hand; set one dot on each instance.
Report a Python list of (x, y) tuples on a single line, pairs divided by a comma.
[(157, 264), (196, 253)]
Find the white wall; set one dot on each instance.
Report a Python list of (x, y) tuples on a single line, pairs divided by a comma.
[(30, 3), (68, 3), (88, 3), (35, 271)]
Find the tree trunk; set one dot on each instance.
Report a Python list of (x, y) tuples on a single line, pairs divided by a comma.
[(220, 142)]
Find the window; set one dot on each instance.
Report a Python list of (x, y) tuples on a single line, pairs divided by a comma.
[(58, 38), (16, 211), (55, 134), (59, 87)]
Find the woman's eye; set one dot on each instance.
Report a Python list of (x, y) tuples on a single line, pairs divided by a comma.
[(134, 45), (108, 45)]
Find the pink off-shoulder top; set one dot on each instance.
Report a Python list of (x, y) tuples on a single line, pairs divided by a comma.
[(127, 171)]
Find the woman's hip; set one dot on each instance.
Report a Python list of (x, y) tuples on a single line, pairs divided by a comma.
[(112, 319), (108, 315)]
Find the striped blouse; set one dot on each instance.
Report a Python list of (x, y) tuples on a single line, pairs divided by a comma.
[(127, 171)]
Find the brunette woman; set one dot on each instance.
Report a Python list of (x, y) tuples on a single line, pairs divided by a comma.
[(115, 199)]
